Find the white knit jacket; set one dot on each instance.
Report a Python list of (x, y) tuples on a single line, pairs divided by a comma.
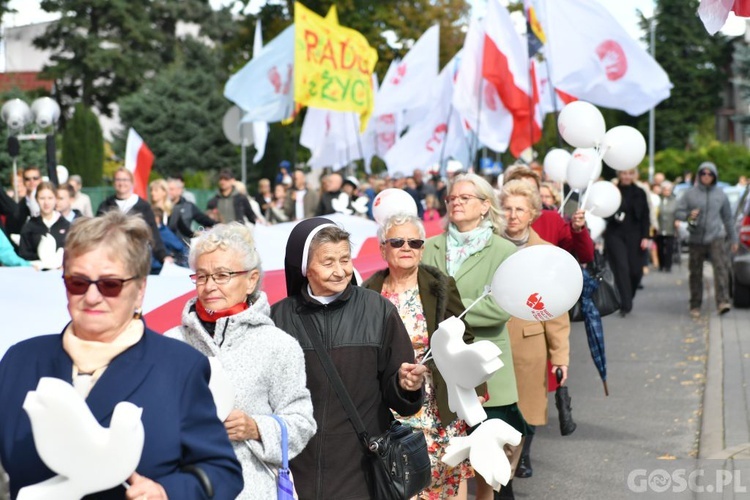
[(267, 368)]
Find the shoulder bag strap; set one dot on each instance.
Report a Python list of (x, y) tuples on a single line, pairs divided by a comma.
[(333, 375), (284, 442)]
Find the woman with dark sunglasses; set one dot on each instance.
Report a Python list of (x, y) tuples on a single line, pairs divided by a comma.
[(424, 296), (470, 251), (109, 355)]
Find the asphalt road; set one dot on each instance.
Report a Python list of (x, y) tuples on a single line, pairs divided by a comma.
[(656, 358)]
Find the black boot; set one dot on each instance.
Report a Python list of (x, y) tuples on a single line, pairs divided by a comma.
[(523, 469), (506, 492)]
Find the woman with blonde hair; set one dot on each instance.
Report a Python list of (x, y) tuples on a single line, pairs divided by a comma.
[(159, 198), (470, 251)]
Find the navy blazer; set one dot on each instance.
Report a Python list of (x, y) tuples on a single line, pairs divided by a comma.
[(165, 377)]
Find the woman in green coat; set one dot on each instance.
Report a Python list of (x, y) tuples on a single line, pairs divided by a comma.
[(470, 251)]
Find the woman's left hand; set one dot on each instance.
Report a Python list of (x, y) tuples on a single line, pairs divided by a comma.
[(578, 220), (411, 377), (142, 488), (645, 243), (564, 369), (241, 427)]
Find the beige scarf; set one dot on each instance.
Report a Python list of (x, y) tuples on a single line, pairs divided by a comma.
[(91, 358)]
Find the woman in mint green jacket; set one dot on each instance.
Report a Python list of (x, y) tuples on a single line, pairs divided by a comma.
[(470, 251)]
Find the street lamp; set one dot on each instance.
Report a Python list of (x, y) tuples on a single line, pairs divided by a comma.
[(44, 113)]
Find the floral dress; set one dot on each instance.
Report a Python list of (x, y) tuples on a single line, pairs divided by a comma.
[(445, 480)]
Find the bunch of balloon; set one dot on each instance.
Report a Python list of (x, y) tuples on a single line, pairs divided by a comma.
[(582, 126)]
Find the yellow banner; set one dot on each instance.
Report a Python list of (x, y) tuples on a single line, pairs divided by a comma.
[(333, 65)]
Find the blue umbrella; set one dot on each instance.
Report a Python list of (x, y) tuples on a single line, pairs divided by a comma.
[(592, 321)]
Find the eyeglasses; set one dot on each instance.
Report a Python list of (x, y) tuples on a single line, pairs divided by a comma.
[(399, 242), (707, 172), (463, 198), (219, 278), (36, 178), (122, 179), (108, 287)]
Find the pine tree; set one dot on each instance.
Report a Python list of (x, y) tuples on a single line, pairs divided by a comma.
[(694, 62), (83, 146)]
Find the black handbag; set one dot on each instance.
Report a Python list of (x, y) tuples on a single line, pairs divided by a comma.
[(606, 297), (399, 459)]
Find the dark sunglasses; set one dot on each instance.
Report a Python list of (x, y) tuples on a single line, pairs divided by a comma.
[(707, 172), (32, 178), (399, 242), (108, 287)]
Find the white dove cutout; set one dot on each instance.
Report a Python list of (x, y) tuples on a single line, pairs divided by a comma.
[(88, 457), (341, 204), (50, 256), (463, 367), (221, 388), (484, 449), (360, 204)]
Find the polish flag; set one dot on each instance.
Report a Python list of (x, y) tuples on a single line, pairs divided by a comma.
[(138, 159), (505, 64)]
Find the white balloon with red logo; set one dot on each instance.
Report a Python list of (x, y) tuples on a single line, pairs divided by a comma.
[(596, 225), (538, 283), (392, 201), (581, 124), (624, 147), (602, 199), (556, 164), (584, 167)]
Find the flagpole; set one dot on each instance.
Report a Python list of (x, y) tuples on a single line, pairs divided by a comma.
[(652, 111), (447, 131), (359, 138)]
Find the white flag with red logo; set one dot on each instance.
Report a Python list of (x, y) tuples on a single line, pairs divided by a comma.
[(263, 88), (438, 137), (714, 13), (138, 159), (592, 57), (506, 65), (332, 137), (405, 82), (476, 99), (260, 129)]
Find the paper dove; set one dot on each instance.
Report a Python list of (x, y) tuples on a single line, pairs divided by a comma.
[(360, 204), (463, 367), (88, 457), (484, 449), (341, 204), (50, 256), (221, 388)]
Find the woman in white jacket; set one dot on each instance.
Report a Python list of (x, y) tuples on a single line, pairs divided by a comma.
[(230, 320)]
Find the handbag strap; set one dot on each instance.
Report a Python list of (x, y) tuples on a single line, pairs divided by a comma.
[(333, 376), (284, 442)]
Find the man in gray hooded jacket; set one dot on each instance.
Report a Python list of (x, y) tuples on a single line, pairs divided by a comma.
[(706, 208)]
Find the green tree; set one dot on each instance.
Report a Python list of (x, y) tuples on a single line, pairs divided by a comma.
[(696, 64), (83, 146), (102, 51), (179, 114)]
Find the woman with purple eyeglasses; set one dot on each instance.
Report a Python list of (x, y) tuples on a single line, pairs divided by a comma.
[(108, 355)]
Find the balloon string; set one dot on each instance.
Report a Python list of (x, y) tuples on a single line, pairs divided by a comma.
[(427, 356), (567, 197), (126, 485), (487, 291), (600, 151)]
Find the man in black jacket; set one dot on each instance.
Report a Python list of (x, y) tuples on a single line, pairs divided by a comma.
[(230, 205), (184, 212), (130, 203)]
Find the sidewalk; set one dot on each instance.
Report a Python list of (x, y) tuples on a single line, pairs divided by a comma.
[(725, 428)]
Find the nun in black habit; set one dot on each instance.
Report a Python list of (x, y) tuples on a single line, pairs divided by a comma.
[(370, 348)]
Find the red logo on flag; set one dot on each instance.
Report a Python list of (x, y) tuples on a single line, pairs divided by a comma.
[(437, 137), (613, 59), (535, 302), (400, 73)]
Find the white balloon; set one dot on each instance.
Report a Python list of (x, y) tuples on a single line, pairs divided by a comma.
[(556, 164), (603, 199), (538, 283), (596, 225), (392, 201), (584, 167), (624, 147), (62, 174), (581, 124)]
